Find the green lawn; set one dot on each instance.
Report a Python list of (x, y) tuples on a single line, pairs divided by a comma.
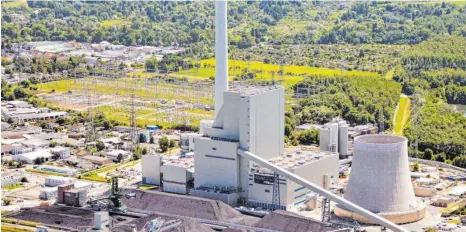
[(13, 186), (113, 22), (402, 115), (14, 229), (389, 75), (45, 172)]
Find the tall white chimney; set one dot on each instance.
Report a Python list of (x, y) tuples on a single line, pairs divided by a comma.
[(221, 52)]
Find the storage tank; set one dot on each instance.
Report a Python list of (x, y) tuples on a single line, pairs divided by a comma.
[(380, 180), (334, 136), (343, 140), (324, 139)]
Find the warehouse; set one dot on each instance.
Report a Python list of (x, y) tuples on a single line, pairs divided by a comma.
[(48, 193), (62, 152), (113, 154), (31, 156), (54, 181)]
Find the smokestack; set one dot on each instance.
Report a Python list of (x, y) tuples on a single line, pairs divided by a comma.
[(221, 53)]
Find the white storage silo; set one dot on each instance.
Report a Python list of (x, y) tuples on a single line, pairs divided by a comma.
[(334, 136), (380, 180), (343, 140), (324, 139)]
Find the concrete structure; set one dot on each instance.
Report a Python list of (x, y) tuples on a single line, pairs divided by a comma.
[(316, 166), (71, 196), (187, 142), (97, 160), (31, 156), (151, 169), (54, 181), (177, 175), (10, 179), (221, 53), (113, 154), (48, 193), (62, 152), (380, 180), (101, 221), (27, 113), (251, 118)]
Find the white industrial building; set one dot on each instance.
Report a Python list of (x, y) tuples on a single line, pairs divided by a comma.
[(48, 193), (31, 156), (187, 142), (113, 154), (177, 175), (23, 111), (151, 169), (320, 167), (253, 119), (250, 118), (53, 181), (62, 152), (10, 179)]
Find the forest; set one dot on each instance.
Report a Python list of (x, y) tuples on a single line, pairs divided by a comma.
[(359, 100), (434, 73), (253, 22)]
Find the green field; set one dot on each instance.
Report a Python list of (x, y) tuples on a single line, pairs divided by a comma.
[(291, 74), (14, 4), (401, 115), (113, 22)]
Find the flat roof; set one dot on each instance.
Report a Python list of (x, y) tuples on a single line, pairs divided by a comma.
[(299, 158), (37, 153), (186, 163), (252, 90)]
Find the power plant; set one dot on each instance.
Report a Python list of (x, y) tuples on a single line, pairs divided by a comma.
[(239, 156), (380, 180)]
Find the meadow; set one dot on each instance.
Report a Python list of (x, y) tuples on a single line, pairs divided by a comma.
[(113, 22), (402, 115), (291, 74)]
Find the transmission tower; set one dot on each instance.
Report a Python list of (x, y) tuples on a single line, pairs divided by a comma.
[(326, 210), (276, 191), (132, 115), (381, 122), (90, 128)]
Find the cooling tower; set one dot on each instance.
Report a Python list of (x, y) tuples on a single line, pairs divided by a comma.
[(380, 180)]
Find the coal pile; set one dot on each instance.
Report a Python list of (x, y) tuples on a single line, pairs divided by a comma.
[(66, 217), (186, 225)]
